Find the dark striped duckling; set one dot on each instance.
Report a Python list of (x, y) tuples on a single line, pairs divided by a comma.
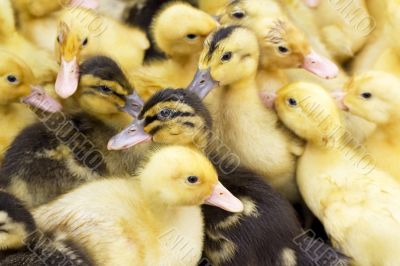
[(22, 244), (267, 232), (65, 150)]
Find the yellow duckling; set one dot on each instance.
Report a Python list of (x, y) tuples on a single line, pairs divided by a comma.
[(16, 81), (83, 33), (283, 46), (182, 44), (374, 96), (343, 27), (358, 205), (43, 66), (212, 7), (270, 150), (134, 221)]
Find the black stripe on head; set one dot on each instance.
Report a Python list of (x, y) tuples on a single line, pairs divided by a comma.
[(107, 69), (217, 37), (177, 95)]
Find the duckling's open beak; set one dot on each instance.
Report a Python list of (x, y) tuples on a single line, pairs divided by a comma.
[(312, 3), (202, 83), (223, 198), (133, 105), (38, 98), (129, 137), (268, 99), (320, 66), (67, 78), (339, 95)]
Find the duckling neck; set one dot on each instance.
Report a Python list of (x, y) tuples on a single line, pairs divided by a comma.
[(117, 121), (7, 109), (243, 84), (390, 130), (186, 60)]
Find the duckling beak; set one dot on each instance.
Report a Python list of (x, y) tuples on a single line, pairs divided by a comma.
[(268, 99), (89, 4), (312, 3), (202, 83), (320, 66), (133, 105), (223, 198), (67, 78), (38, 98), (129, 137), (339, 96)]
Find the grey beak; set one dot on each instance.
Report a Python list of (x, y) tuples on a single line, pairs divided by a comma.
[(133, 105), (202, 83), (129, 137)]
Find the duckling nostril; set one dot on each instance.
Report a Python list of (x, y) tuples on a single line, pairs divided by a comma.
[(202, 81), (132, 131)]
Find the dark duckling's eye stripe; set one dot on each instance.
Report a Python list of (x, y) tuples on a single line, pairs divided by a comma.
[(155, 129), (219, 36), (150, 119), (180, 114), (188, 124)]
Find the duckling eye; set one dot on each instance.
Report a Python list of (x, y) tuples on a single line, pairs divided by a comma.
[(104, 89), (12, 79), (292, 102), (191, 36), (192, 179), (283, 49), (226, 56), (85, 42), (164, 114), (238, 14), (366, 95)]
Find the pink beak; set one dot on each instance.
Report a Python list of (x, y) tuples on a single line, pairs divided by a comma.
[(223, 198), (339, 95), (38, 98), (312, 3), (268, 99), (320, 66), (67, 78)]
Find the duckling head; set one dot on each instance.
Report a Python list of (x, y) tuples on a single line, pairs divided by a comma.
[(309, 111), (15, 78), (103, 87), (171, 116), (181, 176), (282, 44), (73, 38), (374, 96), (190, 28), (16, 222), (226, 59)]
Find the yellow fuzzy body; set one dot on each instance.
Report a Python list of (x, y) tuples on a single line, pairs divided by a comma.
[(357, 204), (381, 110), (270, 150), (343, 27), (151, 219), (119, 228)]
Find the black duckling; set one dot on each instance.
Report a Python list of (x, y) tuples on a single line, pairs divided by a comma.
[(267, 232), (22, 244), (65, 150)]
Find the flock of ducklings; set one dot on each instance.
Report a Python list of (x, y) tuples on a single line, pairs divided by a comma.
[(204, 132)]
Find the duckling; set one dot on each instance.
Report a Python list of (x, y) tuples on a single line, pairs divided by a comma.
[(42, 64), (80, 36), (16, 79), (212, 7), (357, 203), (237, 108), (374, 96), (263, 233), (343, 27), (181, 44), (142, 214), (22, 244), (65, 150)]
